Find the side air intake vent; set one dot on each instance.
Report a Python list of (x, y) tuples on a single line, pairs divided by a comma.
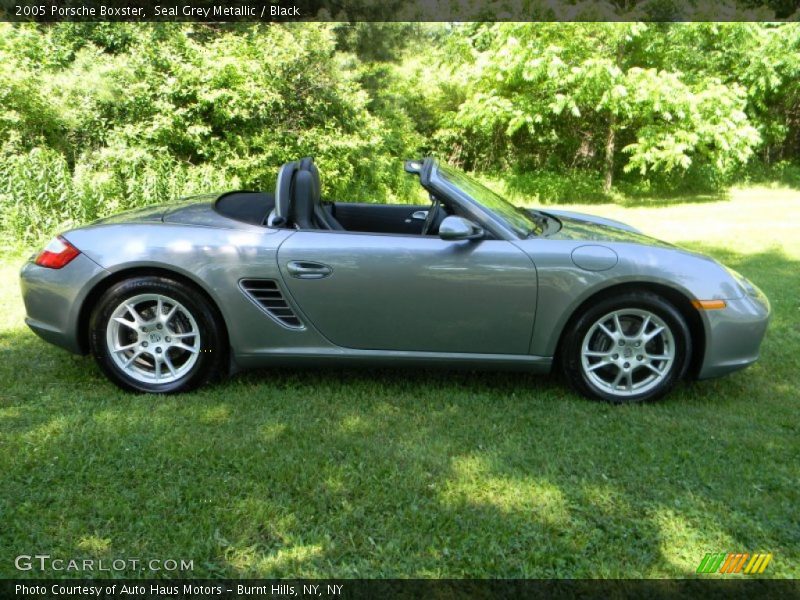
[(267, 294)]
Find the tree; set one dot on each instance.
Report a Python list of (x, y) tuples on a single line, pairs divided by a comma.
[(559, 94)]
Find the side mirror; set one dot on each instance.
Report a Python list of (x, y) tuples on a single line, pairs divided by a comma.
[(455, 229)]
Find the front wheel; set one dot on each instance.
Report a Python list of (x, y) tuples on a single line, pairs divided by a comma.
[(153, 334), (630, 348)]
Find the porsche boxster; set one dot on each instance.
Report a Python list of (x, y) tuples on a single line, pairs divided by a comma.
[(167, 298)]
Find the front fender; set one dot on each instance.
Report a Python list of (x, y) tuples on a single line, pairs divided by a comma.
[(564, 287)]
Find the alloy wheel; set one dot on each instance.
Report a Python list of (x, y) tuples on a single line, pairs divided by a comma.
[(628, 352), (153, 338)]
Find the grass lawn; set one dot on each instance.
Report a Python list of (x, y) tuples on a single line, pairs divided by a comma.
[(407, 474)]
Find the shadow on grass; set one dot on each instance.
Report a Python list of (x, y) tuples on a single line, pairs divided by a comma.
[(350, 473)]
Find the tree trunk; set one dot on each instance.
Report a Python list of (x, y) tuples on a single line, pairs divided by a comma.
[(611, 139)]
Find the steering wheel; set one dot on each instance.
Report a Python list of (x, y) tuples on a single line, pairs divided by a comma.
[(431, 218)]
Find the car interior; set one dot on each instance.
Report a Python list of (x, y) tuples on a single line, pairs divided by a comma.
[(297, 203)]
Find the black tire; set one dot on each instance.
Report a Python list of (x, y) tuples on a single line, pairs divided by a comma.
[(210, 353), (571, 360)]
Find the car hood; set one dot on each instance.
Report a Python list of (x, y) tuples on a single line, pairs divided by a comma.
[(582, 226)]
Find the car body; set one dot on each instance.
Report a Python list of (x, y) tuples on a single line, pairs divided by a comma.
[(288, 287)]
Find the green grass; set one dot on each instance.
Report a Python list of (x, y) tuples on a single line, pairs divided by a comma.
[(406, 474)]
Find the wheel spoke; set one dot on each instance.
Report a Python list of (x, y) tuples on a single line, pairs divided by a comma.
[(170, 313), (597, 365), (617, 324), (618, 378), (643, 328), (629, 379), (652, 334), (658, 356), (607, 331), (180, 336), (157, 373), (128, 347), (169, 364), (597, 353), (185, 347), (654, 369), (131, 324), (133, 357), (136, 316)]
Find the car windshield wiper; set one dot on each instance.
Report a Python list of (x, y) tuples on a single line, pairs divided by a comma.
[(539, 218)]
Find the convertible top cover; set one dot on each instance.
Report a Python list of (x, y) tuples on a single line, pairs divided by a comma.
[(246, 206)]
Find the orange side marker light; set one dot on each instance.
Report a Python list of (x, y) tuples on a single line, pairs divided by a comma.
[(709, 304)]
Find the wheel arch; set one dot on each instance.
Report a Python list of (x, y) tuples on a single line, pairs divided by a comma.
[(91, 299), (681, 302)]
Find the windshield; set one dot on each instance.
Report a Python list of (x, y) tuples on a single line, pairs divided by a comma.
[(518, 219)]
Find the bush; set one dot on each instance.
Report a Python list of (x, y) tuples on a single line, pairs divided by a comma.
[(36, 195), (782, 172), (548, 187), (40, 195), (698, 179), (161, 111)]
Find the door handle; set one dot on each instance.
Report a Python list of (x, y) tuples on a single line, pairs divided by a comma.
[(417, 215), (303, 269)]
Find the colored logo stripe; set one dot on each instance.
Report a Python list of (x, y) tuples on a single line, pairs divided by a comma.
[(758, 563), (734, 562), (711, 562)]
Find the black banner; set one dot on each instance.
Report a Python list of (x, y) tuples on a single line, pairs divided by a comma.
[(397, 10), (359, 589)]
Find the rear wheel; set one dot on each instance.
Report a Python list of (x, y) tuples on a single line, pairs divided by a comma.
[(153, 334), (630, 348)]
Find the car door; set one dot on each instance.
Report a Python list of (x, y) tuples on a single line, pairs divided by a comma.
[(399, 219), (413, 293)]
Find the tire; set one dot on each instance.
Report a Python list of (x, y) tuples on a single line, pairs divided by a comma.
[(183, 349), (628, 365)]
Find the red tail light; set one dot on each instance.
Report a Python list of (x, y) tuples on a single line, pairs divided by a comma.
[(58, 253)]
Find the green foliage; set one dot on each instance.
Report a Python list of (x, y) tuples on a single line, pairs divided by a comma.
[(551, 187), (782, 173), (36, 194), (549, 96), (41, 194), (122, 117), (99, 117)]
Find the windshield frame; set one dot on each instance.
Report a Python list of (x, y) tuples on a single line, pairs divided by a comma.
[(443, 178)]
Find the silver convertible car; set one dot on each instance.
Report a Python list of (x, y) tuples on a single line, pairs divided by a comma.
[(170, 297)]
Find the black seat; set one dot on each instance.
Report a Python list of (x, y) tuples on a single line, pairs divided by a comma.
[(298, 200), (308, 193), (301, 208), (284, 190), (311, 186)]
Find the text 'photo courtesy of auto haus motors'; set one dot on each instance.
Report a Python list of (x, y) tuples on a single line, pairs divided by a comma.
[(100, 590), (168, 298)]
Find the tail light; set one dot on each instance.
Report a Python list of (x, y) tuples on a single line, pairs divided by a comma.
[(58, 253)]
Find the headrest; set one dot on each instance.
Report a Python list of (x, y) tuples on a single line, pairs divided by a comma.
[(283, 189), (297, 191), (307, 164), (302, 208)]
